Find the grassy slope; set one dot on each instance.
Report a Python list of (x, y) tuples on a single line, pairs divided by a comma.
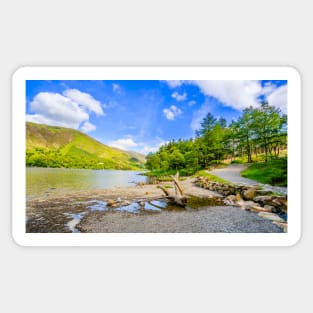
[(273, 172), (64, 147)]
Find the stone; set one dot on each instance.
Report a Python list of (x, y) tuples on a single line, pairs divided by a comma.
[(238, 197), (257, 208), (280, 202), (270, 207), (262, 199), (231, 198), (110, 202), (284, 226), (248, 204), (271, 216), (249, 194)]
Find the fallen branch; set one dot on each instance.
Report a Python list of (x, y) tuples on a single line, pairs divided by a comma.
[(179, 198)]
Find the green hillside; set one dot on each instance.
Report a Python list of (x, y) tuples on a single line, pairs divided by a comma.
[(52, 146)]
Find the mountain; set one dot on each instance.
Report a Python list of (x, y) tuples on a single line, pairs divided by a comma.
[(53, 146)]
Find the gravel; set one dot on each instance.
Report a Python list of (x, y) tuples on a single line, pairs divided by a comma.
[(222, 219)]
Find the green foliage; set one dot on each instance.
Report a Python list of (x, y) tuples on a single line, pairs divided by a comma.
[(273, 172), (258, 135), (51, 146)]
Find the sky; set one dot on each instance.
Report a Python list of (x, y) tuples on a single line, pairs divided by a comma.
[(142, 115)]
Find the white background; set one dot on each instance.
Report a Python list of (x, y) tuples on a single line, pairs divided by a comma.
[(155, 33)]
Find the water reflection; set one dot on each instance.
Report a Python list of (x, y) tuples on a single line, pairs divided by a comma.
[(42, 182)]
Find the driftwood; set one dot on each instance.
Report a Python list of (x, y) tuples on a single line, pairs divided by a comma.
[(179, 197)]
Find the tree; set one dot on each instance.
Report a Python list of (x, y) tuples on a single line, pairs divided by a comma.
[(153, 161), (222, 122), (207, 125), (245, 134), (268, 125), (177, 160)]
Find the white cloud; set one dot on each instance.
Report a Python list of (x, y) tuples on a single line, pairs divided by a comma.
[(278, 98), (116, 88), (55, 109), (172, 112), (179, 97), (84, 99), (68, 110), (238, 94), (125, 143), (192, 103), (174, 83), (87, 127)]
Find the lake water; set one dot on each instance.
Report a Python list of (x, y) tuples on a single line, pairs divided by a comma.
[(42, 182)]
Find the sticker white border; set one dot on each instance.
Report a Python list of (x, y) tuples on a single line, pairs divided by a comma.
[(156, 73)]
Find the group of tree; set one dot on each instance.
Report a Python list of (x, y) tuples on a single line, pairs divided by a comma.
[(261, 130)]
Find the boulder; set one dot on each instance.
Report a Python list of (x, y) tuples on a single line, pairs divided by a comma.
[(262, 199), (280, 202), (249, 194), (271, 216), (247, 204), (270, 207), (238, 197), (257, 208), (231, 198)]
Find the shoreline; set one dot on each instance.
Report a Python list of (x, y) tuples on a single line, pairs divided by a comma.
[(90, 211)]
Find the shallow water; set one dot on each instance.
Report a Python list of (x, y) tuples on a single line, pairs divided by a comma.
[(41, 182), (133, 207)]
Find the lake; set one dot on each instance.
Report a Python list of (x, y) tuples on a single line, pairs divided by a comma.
[(41, 182)]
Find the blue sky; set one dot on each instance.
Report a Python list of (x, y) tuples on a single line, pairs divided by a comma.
[(143, 115)]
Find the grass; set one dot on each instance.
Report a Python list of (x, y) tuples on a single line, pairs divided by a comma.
[(212, 177), (273, 172), (257, 158)]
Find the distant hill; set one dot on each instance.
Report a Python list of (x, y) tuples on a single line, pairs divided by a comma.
[(52, 146)]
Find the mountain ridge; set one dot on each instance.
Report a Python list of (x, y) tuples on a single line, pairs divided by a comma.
[(55, 146)]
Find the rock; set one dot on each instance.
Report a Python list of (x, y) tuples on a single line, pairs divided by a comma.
[(280, 202), (238, 197), (231, 198), (262, 199), (271, 216), (248, 204), (256, 208), (110, 202), (284, 226), (270, 207), (249, 194), (125, 203)]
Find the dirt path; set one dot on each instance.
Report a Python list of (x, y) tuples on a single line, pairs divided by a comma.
[(232, 174)]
